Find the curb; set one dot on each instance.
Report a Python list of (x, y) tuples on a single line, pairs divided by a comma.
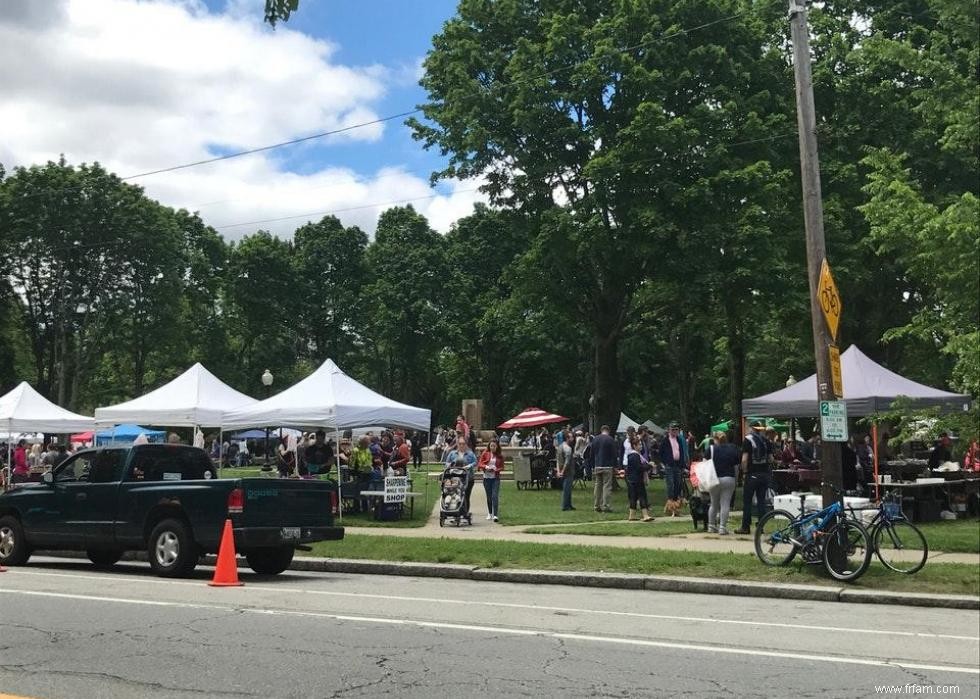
[(625, 581), (618, 581)]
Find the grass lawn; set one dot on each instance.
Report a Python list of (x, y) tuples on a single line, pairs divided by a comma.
[(959, 536), (948, 578), (523, 507)]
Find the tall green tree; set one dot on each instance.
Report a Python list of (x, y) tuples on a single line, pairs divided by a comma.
[(330, 263), (601, 113), (407, 306)]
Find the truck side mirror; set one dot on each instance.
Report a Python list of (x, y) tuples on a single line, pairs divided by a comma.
[(47, 477)]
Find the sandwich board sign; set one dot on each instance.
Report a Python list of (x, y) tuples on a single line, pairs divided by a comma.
[(395, 488), (833, 421)]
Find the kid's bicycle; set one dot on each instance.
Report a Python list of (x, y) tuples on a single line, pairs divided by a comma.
[(827, 536)]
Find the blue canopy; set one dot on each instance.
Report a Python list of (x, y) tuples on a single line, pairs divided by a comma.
[(127, 433), (253, 434)]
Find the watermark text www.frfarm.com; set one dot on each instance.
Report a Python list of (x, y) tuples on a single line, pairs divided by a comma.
[(913, 689)]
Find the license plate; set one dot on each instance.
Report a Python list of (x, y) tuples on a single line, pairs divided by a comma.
[(290, 532)]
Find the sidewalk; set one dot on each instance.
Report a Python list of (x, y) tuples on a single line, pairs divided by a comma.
[(695, 541)]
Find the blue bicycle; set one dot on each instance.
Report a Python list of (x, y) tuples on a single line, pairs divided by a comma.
[(827, 536)]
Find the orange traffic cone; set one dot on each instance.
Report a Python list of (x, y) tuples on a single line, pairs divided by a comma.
[(226, 571)]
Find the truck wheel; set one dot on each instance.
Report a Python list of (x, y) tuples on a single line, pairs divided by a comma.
[(270, 561), (13, 547), (171, 550), (104, 558)]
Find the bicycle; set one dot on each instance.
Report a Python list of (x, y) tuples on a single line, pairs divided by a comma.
[(896, 540), (828, 536)]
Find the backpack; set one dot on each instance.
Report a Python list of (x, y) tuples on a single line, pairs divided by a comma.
[(760, 450)]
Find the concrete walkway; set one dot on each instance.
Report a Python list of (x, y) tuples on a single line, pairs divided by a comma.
[(695, 541)]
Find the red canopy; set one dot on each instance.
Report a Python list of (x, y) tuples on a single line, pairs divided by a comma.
[(531, 417), (83, 437)]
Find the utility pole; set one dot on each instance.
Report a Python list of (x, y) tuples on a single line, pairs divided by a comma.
[(806, 119)]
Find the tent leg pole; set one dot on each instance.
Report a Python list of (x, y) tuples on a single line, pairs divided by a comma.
[(221, 448), (340, 480), (874, 437)]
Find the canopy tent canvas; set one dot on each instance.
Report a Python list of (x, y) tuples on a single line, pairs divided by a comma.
[(531, 417), (83, 437), (625, 422), (196, 398), (328, 398), (128, 433), (868, 388), (261, 434), (25, 410), (654, 428)]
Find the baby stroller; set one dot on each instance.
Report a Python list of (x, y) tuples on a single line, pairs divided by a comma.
[(452, 501)]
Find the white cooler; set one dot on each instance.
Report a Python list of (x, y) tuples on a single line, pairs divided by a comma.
[(814, 502)]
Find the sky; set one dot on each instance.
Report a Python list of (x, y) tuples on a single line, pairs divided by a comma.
[(140, 85)]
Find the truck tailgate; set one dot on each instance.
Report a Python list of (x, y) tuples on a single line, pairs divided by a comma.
[(287, 503)]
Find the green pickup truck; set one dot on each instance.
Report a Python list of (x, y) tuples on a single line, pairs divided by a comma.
[(168, 501)]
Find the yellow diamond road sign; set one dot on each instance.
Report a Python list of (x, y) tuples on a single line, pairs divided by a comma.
[(829, 299)]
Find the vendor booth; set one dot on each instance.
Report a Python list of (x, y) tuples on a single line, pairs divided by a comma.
[(25, 410), (127, 434), (869, 388), (330, 400)]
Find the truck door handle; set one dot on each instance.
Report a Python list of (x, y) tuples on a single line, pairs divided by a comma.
[(81, 496)]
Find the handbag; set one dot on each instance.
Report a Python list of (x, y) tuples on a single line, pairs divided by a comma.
[(707, 476)]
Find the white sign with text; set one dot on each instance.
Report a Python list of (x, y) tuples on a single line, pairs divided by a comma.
[(395, 488)]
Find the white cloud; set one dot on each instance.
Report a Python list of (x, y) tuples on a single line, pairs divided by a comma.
[(140, 85)]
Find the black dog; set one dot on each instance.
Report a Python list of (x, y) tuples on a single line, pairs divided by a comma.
[(699, 509)]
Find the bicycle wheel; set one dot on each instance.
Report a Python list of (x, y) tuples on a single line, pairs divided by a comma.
[(901, 546), (847, 551), (774, 535)]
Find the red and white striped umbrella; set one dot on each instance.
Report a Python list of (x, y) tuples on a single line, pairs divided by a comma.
[(531, 417)]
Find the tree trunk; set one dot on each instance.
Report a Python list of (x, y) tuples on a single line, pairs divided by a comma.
[(608, 383), (736, 372)]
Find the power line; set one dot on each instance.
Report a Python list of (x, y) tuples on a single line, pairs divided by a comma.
[(360, 207), (373, 122)]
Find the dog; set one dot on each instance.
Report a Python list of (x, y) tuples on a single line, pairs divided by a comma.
[(699, 509), (673, 507)]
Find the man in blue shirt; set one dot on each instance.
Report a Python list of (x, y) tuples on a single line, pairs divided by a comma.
[(605, 452)]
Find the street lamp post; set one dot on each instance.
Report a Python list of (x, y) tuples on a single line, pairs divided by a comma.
[(267, 379), (791, 381)]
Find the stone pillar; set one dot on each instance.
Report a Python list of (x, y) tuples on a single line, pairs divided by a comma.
[(472, 411)]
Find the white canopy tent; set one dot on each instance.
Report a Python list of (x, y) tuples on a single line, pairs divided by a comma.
[(626, 422), (26, 410), (328, 399), (196, 398), (654, 428)]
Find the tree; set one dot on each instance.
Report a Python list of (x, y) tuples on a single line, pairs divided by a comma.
[(407, 305), (330, 263), (263, 291), (595, 116)]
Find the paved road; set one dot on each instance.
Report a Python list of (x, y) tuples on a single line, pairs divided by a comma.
[(69, 631)]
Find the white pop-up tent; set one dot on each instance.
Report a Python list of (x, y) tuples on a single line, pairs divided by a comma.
[(328, 399), (625, 422), (26, 410), (196, 398)]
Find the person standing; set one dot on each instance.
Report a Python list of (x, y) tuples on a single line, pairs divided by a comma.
[(21, 472), (725, 457), (318, 455), (605, 450), (492, 463), (416, 449), (400, 455), (756, 456), (637, 473), (566, 470), (673, 457)]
